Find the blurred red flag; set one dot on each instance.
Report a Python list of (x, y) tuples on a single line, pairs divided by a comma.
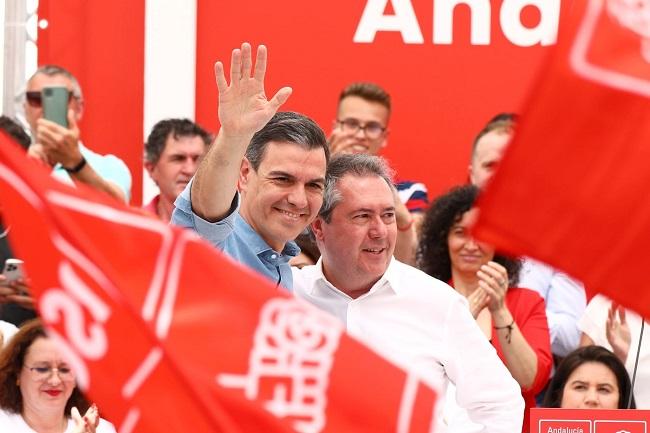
[(572, 189), (168, 335)]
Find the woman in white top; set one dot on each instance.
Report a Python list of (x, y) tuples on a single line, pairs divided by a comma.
[(38, 392)]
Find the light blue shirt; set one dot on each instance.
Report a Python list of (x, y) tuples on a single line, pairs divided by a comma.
[(108, 167), (565, 303), (234, 236)]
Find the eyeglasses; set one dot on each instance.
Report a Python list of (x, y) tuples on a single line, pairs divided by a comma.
[(373, 130), (42, 373), (35, 98)]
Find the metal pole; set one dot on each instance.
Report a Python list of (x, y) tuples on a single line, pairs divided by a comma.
[(14, 53)]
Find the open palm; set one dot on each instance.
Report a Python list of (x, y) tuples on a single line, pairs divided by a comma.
[(243, 106)]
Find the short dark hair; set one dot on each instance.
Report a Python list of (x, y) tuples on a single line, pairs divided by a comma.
[(287, 127), (53, 70), (157, 139), (15, 131), (360, 165), (433, 250), (581, 356), (502, 122), (369, 92), (12, 358)]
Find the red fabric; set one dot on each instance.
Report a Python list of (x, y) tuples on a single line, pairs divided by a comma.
[(528, 309), (572, 188), (166, 334), (152, 206)]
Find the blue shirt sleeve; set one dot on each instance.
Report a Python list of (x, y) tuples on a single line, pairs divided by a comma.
[(214, 232)]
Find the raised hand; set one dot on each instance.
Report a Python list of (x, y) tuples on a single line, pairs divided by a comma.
[(243, 106), (618, 332), (341, 142)]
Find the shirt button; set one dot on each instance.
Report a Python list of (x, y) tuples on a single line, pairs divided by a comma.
[(274, 256)]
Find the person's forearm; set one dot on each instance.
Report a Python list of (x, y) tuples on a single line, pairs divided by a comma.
[(215, 181), (519, 356), (89, 176), (565, 334), (406, 241)]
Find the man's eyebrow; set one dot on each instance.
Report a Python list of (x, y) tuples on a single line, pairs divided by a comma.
[(291, 176), (280, 173), (363, 209)]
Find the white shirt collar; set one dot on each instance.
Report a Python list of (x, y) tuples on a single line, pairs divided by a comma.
[(387, 281)]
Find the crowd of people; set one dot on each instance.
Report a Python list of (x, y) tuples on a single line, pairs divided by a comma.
[(322, 216)]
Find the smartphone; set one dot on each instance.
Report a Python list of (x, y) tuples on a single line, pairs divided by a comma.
[(13, 270), (55, 104)]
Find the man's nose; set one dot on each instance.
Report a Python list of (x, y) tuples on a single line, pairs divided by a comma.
[(298, 197), (378, 228), (189, 166)]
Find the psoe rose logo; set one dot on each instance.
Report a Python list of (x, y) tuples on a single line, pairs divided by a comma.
[(612, 45), (635, 16)]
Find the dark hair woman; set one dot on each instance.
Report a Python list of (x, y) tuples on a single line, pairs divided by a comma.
[(590, 377), (513, 319)]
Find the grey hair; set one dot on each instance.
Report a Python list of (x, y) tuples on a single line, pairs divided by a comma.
[(52, 70), (359, 165), (287, 127)]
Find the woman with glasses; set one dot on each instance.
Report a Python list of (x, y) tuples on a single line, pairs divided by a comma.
[(512, 319), (38, 392)]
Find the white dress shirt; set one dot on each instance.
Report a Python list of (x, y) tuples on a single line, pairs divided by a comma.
[(565, 303), (422, 324)]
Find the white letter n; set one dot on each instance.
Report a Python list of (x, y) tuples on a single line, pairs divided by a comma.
[(443, 21), (374, 20)]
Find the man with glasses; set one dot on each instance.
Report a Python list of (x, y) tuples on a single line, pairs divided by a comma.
[(361, 126), (61, 148)]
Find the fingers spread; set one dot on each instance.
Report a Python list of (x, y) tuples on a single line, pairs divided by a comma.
[(260, 63), (220, 77), (235, 67), (247, 61), (280, 97)]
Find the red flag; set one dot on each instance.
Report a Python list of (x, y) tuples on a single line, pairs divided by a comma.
[(572, 188), (166, 334)]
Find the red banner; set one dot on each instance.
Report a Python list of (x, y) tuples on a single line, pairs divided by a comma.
[(572, 188), (589, 420), (167, 335)]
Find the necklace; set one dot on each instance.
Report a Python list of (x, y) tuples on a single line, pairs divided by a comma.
[(5, 233)]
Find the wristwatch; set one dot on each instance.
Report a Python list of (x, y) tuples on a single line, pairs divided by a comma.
[(77, 168)]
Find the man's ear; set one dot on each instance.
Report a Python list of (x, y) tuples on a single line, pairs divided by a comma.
[(245, 171), (470, 174), (79, 109), (317, 228), (149, 166), (384, 142)]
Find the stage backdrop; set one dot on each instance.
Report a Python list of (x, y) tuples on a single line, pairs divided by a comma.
[(449, 65)]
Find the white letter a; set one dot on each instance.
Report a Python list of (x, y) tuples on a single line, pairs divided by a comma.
[(404, 21)]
